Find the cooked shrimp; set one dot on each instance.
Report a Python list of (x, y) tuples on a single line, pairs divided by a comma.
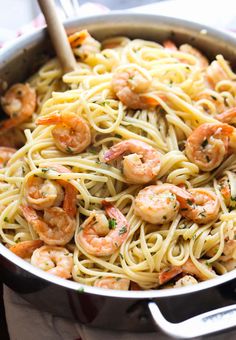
[(130, 87), (167, 275), (77, 38), (112, 283), (208, 145), (19, 102), (5, 154), (160, 204), (142, 165), (202, 60), (204, 208), (170, 45), (189, 268), (41, 193), (101, 238), (84, 45), (187, 280), (215, 73), (25, 249), (71, 133), (229, 251), (229, 116), (54, 260), (69, 203), (55, 228)]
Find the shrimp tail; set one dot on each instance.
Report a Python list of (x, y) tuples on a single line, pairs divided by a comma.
[(77, 38), (169, 274), (53, 118)]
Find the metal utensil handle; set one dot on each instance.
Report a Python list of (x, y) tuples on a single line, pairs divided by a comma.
[(203, 324)]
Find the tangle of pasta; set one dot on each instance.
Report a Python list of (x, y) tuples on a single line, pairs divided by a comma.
[(169, 93)]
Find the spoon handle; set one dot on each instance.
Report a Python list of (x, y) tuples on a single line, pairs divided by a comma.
[(58, 35)]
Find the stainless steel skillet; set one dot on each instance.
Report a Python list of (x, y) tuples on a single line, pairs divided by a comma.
[(132, 310)]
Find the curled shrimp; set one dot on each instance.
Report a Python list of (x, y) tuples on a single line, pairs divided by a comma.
[(204, 208), (25, 249), (208, 145), (143, 163), (158, 204), (19, 102), (189, 268), (95, 235), (41, 193), (84, 45), (55, 228), (130, 86), (186, 280), (78, 38), (54, 260), (71, 133), (5, 154), (168, 274), (229, 116), (112, 283)]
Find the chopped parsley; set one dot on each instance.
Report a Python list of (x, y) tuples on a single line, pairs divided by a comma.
[(6, 219), (123, 230), (207, 158), (204, 143), (69, 150), (121, 256), (80, 290), (233, 198), (117, 135), (112, 223), (189, 202), (44, 170), (164, 217), (213, 97)]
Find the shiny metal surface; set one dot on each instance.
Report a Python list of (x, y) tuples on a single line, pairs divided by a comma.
[(90, 304)]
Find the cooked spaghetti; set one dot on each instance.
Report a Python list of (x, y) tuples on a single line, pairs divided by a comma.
[(127, 176)]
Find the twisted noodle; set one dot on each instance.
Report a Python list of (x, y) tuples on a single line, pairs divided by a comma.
[(185, 101)]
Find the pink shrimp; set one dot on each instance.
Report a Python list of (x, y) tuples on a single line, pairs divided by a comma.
[(112, 283), (229, 116), (19, 102), (208, 145), (5, 154), (143, 163), (71, 133), (25, 249), (205, 207), (158, 204), (131, 87), (101, 237)]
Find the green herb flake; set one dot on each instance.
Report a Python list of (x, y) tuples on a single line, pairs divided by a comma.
[(117, 135), (207, 158), (213, 97), (6, 219), (80, 290), (112, 223), (194, 237), (164, 217), (69, 150), (204, 143), (121, 256), (189, 202), (207, 263), (44, 170), (123, 230)]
